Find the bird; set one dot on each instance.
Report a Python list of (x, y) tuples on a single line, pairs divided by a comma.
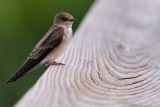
[(50, 47)]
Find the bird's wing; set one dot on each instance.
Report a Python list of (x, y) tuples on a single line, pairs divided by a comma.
[(47, 44), (41, 50)]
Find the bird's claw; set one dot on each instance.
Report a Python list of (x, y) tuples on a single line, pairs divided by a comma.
[(56, 63), (53, 63)]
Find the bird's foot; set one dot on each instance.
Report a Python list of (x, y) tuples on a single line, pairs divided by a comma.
[(53, 63), (56, 63)]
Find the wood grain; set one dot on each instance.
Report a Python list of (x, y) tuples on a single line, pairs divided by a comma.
[(113, 60)]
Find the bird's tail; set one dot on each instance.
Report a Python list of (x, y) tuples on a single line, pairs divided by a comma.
[(15, 76), (28, 66)]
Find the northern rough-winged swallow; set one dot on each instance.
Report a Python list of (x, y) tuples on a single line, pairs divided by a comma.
[(50, 47)]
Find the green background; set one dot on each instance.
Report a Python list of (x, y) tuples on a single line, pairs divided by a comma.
[(22, 25)]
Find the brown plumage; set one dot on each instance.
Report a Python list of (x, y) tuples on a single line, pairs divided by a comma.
[(50, 47)]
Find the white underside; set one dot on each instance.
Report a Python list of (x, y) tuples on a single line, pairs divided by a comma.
[(56, 52)]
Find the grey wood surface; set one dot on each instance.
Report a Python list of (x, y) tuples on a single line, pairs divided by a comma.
[(112, 61)]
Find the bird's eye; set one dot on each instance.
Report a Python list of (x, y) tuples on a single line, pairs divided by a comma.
[(64, 18)]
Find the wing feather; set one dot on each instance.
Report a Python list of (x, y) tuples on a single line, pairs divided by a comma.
[(48, 44)]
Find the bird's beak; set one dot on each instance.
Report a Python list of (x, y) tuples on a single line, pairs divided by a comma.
[(72, 20)]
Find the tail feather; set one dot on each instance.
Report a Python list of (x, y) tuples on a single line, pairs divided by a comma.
[(25, 68), (14, 77)]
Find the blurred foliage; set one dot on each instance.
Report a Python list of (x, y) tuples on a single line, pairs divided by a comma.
[(22, 24)]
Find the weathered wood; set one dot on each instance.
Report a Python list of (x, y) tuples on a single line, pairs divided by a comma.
[(113, 60)]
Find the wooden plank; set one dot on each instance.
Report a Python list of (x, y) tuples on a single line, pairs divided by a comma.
[(113, 60)]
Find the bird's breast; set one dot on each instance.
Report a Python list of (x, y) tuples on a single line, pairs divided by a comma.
[(69, 32)]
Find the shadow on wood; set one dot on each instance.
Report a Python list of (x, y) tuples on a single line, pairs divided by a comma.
[(113, 60)]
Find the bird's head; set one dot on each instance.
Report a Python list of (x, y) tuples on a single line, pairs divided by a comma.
[(64, 19)]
